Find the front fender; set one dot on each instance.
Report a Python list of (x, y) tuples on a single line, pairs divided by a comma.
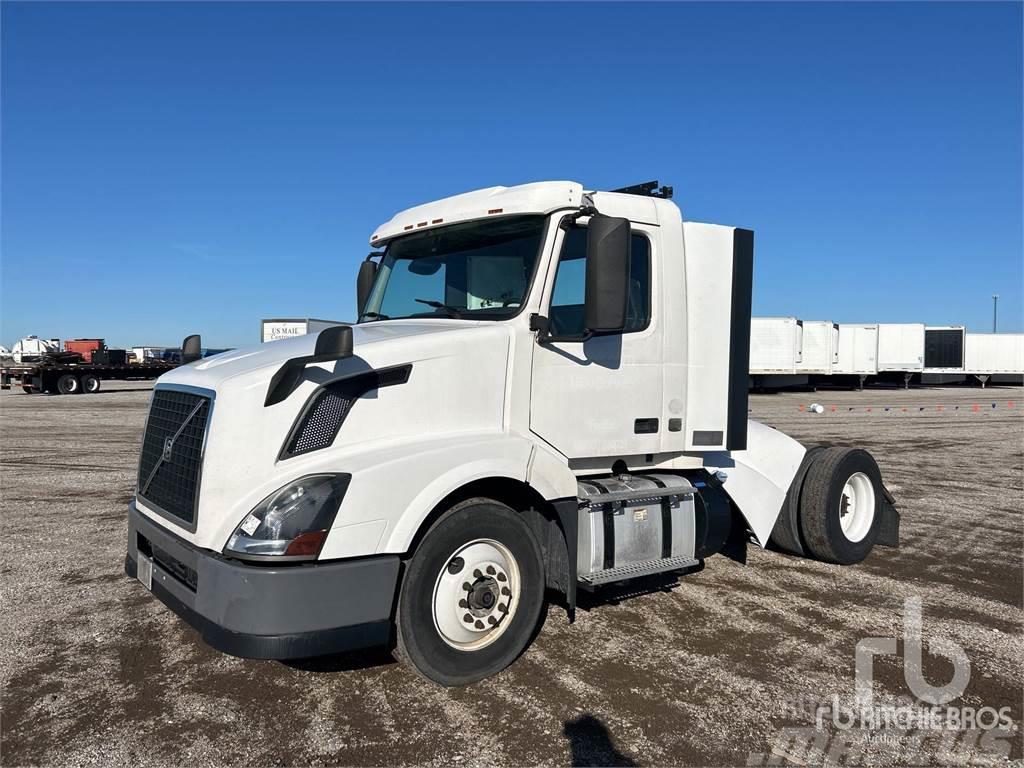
[(393, 490)]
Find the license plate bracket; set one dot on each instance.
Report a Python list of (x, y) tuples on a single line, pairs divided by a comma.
[(145, 571)]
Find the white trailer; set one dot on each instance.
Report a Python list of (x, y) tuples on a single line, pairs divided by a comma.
[(275, 329), (546, 390), (858, 351), (995, 356), (820, 348), (776, 349), (900, 347)]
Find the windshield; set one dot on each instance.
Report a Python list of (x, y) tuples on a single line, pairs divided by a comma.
[(479, 270)]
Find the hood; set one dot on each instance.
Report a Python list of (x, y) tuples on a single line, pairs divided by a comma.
[(455, 386), (369, 340)]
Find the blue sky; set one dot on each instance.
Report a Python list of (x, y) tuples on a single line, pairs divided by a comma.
[(179, 167)]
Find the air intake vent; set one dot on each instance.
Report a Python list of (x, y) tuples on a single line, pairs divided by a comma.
[(328, 407)]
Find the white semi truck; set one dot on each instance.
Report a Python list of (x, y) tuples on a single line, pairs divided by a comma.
[(546, 390)]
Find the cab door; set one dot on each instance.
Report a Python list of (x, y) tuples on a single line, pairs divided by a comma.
[(599, 395)]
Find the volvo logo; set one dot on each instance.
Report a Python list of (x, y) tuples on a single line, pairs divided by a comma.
[(168, 447)]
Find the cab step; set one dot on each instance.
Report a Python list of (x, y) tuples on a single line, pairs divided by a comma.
[(633, 570)]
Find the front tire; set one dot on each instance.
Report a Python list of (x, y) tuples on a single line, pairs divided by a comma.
[(841, 505), (471, 595)]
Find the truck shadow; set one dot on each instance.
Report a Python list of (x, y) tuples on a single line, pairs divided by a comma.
[(592, 744), (350, 661)]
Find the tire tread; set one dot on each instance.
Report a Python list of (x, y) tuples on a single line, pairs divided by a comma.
[(814, 503)]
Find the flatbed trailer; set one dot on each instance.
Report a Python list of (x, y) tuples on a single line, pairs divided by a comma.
[(75, 378)]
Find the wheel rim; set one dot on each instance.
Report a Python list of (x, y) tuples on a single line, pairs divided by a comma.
[(857, 506), (91, 385), (476, 595), (71, 386)]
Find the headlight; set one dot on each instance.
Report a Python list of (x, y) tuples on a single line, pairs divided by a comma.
[(292, 523)]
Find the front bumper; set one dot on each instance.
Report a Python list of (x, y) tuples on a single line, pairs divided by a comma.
[(259, 612)]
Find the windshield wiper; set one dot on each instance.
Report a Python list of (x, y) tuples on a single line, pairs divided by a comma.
[(452, 311), (374, 316)]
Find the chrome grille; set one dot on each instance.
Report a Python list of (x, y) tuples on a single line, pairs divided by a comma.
[(172, 453)]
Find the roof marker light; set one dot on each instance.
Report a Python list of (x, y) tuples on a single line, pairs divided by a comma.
[(422, 224), (495, 210), (437, 221), (407, 226)]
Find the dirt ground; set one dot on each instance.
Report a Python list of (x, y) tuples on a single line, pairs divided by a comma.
[(726, 667)]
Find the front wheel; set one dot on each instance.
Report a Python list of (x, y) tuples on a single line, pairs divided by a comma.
[(841, 505), (471, 595)]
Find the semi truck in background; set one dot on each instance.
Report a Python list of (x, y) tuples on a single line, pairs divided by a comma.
[(39, 366), (545, 391)]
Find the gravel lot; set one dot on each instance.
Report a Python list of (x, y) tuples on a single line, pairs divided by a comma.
[(718, 669)]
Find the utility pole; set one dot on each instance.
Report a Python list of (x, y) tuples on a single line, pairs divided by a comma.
[(995, 304)]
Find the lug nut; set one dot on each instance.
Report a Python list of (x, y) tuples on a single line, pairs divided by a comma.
[(492, 621), (506, 591), (456, 565), (503, 608), (479, 624), (468, 619), (501, 577), (477, 574), (490, 570), (467, 586), (463, 604)]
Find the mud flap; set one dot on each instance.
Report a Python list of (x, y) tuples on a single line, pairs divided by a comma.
[(889, 530)]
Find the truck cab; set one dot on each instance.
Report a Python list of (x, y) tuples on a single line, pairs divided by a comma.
[(545, 390)]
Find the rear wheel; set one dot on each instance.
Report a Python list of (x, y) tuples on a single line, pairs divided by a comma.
[(90, 384), (471, 595), (68, 385), (840, 505)]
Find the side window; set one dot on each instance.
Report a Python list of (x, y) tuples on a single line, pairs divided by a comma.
[(566, 311)]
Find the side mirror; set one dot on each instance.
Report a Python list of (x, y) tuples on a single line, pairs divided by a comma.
[(607, 281), (364, 283), (332, 343), (191, 349)]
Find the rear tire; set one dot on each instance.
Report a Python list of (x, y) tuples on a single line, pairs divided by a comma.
[(68, 385), (841, 505), (453, 635), (90, 384)]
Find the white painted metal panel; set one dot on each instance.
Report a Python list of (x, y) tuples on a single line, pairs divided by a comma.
[(858, 349), (539, 197), (775, 344), (709, 249), (987, 353), (901, 346)]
